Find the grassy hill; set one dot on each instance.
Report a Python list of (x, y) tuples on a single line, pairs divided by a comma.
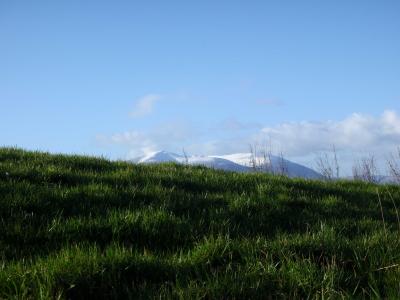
[(79, 227)]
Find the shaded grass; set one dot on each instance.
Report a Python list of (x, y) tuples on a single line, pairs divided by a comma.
[(81, 227)]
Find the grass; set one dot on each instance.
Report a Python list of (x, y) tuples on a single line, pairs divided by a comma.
[(74, 227)]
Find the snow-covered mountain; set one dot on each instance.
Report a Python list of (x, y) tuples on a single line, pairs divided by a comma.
[(208, 161), (239, 162), (273, 164)]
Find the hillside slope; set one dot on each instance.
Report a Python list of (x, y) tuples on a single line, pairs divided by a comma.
[(74, 227)]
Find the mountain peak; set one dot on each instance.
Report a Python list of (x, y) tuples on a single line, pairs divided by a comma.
[(159, 156)]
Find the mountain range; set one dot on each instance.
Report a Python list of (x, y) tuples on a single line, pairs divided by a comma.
[(238, 162)]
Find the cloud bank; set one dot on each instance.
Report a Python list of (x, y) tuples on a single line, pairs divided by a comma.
[(357, 135), (358, 132)]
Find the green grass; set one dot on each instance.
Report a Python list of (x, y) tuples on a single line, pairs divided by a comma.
[(75, 227)]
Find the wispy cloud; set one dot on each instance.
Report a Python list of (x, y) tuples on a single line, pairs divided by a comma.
[(134, 142), (170, 136), (145, 105)]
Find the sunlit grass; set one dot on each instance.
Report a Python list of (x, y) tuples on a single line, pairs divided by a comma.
[(82, 227)]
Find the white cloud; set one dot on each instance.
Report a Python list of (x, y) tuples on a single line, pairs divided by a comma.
[(219, 146), (145, 105), (170, 136), (135, 142), (358, 133)]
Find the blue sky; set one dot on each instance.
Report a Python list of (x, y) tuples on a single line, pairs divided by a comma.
[(121, 78)]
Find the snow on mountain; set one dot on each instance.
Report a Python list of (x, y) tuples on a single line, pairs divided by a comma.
[(217, 163), (208, 161), (239, 162), (273, 164), (160, 156)]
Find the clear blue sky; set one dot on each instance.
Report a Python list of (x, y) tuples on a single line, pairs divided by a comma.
[(119, 78)]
